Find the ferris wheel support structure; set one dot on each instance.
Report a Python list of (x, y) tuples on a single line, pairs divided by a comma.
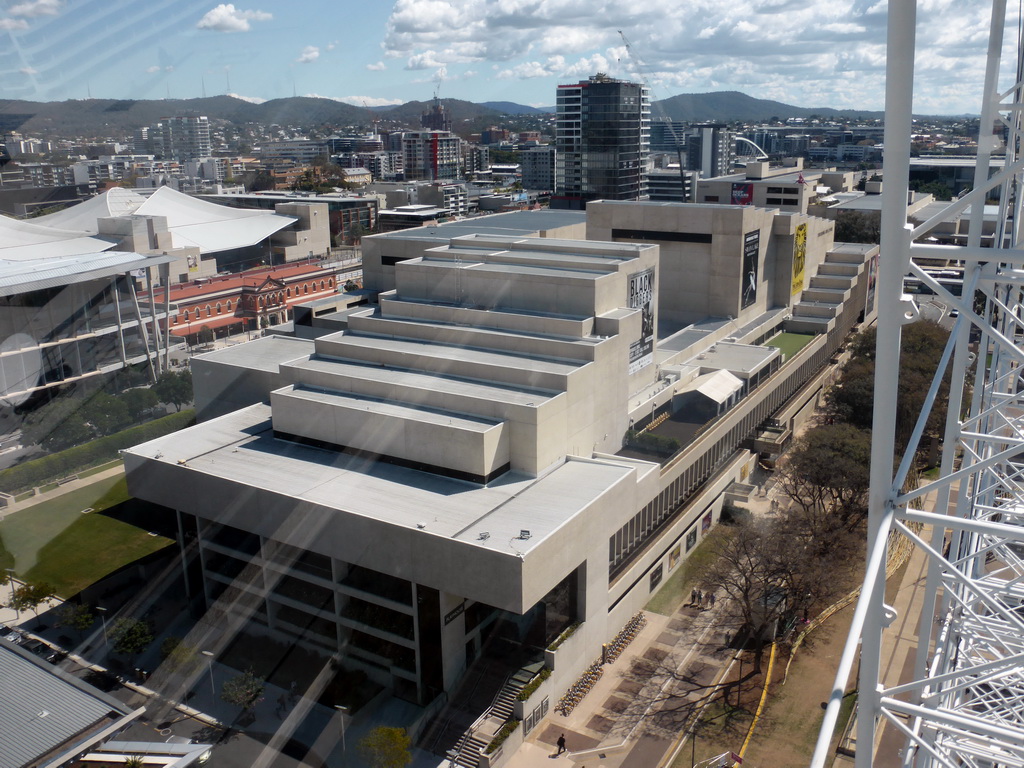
[(961, 704)]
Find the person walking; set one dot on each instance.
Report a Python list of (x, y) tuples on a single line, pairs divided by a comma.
[(561, 744), (700, 599), (693, 596)]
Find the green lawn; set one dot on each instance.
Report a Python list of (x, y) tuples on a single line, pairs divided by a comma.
[(54, 542), (791, 343), (687, 576)]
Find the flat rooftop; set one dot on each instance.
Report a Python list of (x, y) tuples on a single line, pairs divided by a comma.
[(433, 382), (264, 354), (240, 448), (515, 223)]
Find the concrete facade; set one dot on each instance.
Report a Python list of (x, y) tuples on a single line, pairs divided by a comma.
[(452, 464)]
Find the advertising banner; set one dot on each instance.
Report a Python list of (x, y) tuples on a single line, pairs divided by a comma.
[(742, 194), (869, 298), (751, 246), (799, 258), (641, 296)]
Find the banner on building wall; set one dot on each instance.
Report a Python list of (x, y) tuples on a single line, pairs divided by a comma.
[(799, 258), (869, 298), (193, 263), (742, 194), (751, 246), (705, 524), (641, 296)]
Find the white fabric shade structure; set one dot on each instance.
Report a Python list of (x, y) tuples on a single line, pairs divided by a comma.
[(191, 222), (82, 217), (29, 241), (718, 386)]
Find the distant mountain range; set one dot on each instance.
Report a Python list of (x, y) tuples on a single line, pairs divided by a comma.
[(112, 117)]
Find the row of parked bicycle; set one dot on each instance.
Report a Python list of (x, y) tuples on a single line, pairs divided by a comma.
[(593, 673), (614, 649)]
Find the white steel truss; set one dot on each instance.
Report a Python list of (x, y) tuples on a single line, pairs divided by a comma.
[(964, 703)]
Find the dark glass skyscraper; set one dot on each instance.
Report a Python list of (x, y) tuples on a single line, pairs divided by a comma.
[(602, 136)]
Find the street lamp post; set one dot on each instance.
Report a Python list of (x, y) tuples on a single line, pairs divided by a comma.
[(341, 719), (103, 615), (209, 667)]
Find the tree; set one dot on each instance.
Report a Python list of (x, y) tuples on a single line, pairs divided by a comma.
[(174, 387), (205, 335), (852, 398), (386, 747), (826, 476), (244, 690), (57, 425), (179, 655), (767, 574), (30, 595), (130, 636), (78, 617), (107, 414), (855, 227), (138, 401)]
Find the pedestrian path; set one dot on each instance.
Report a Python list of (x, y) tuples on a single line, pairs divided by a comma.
[(644, 699)]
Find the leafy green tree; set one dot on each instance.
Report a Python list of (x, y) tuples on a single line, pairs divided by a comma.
[(130, 636), (174, 387), (57, 425), (386, 747), (138, 401), (244, 690), (30, 595), (852, 398), (205, 335), (77, 616), (825, 474), (855, 227), (108, 414)]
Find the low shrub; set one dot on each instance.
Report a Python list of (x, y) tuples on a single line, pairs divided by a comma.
[(38, 471)]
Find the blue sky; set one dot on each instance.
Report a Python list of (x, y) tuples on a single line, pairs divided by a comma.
[(804, 52)]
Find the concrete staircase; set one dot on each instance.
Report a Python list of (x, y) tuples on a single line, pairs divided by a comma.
[(821, 301), (471, 745)]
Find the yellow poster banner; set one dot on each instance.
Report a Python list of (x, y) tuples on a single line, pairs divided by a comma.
[(799, 258)]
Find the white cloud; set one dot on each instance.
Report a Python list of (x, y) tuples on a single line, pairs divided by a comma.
[(33, 8), (13, 24), (226, 18), (425, 60), (369, 101), (28, 71), (151, 70), (309, 54), (250, 99), (331, 46), (808, 52), (380, 66)]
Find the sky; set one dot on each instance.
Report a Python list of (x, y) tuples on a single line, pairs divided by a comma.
[(810, 53)]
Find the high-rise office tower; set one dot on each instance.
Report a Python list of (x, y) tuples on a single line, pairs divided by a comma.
[(711, 150), (602, 137)]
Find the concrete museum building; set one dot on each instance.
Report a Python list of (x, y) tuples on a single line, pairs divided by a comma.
[(451, 472)]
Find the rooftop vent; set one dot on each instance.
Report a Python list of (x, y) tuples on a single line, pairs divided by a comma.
[(524, 534), (484, 535)]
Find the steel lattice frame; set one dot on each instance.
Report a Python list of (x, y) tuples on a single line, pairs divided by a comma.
[(965, 703)]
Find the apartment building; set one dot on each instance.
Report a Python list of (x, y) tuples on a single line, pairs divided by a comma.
[(602, 137)]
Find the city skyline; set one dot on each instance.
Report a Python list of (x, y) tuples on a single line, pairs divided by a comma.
[(815, 54)]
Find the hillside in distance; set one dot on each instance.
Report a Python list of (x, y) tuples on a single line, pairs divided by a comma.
[(733, 106), (119, 117)]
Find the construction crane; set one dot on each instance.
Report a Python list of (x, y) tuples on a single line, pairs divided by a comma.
[(661, 110)]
